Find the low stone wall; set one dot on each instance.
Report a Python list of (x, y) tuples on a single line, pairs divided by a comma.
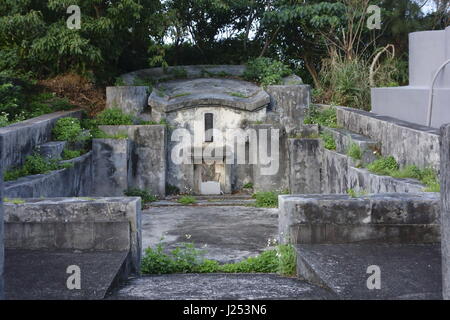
[(70, 182), (110, 224), (20, 140), (409, 143), (382, 218), (445, 209), (314, 169), (147, 169)]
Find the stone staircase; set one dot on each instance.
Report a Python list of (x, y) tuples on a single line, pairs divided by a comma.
[(392, 223)]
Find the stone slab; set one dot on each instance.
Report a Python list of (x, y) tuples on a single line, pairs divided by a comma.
[(130, 99), (41, 275), (2, 243), (52, 150), (408, 272), (220, 287)]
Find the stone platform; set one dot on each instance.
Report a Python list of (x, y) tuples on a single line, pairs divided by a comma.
[(37, 274), (408, 272)]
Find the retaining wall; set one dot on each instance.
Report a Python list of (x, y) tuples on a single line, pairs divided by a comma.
[(383, 218), (20, 140), (71, 182)]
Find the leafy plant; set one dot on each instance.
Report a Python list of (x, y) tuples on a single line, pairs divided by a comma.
[(67, 129), (354, 151), (248, 185), (187, 259), (71, 154), (266, 71), (186, 200), (145, 195), (35, 164), (329, 142), (267, 199), (354, 194), (326, 117), (384, 166), (114, 117)]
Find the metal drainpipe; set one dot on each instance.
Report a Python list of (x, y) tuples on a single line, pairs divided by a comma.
[(430, 104)]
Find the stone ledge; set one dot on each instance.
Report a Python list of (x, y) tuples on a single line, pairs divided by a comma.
[(399, 217)]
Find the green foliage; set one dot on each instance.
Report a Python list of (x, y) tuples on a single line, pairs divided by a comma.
[(426, 176), (67, 129), (35, 164), (187, 259), (384, 166), (179, 73), (145, 195), (248, 185), (186, 200), (266, 71), (354, 151), (114, 117), (326, 117), (71, 154), (13, 201), (329, 142), (353, 194), (268, 199)]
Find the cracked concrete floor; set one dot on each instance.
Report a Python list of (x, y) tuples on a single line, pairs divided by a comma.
[(226, 233)]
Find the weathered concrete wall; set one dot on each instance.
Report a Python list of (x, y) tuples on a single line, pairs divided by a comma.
[(305, 165), (110, 167), (279, 179), (2, 247), (410, 144), (391, 218), (362, 180), (111, 224), (290, 102), (335, 168), (147, 170), (445, 209), (131, 100), (70, 182), (19, 140)]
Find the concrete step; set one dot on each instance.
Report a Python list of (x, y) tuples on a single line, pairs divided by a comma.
[(407, 272), (220, 287), (345, 138), (41, 275)]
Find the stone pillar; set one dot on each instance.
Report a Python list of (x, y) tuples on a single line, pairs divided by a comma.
[(264, 179), (110, 168), (131, 100), (445, 209), (305, 166), (289, 103)]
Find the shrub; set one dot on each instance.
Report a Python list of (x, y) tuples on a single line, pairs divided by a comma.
[(248, 185), (35, 164), (187, 200), (67, 129), (384, 166), (267, 199), (187, 259), (354, 151), (327, 117), (266, 71), (71, 154), (145, 195), (114, 117), (329, 142)]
